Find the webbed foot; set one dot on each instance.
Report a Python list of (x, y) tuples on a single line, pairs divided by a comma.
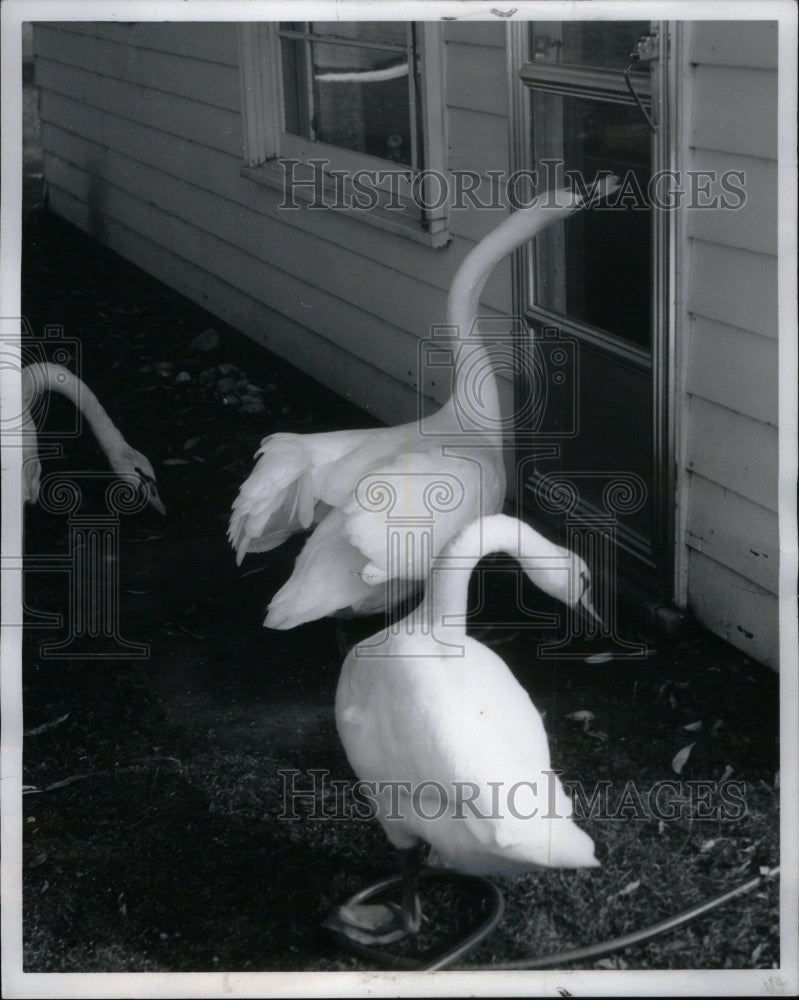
[(371, 923)]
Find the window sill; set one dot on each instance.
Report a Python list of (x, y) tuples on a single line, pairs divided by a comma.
[(399, 221)]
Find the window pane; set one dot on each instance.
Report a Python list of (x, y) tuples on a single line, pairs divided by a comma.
[(355, 96), (596, 266), (361, 100), (588, 43)]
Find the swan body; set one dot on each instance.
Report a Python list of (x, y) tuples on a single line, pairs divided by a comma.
[(126, 461), (426, 705), (299, 481)]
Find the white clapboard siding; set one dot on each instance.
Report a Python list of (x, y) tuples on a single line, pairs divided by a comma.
[(750, 44), (478, 125), (323, 360), (734, 531), (733, 368), (205, 41), (477, 141), (208, 82), (218, 173), (315, 302), (734, 286), (753, 226), (489, 33), (179, 116), (734, 451), (730, 110), (130, 106), (730, 332), (737, 609), (473, 72)]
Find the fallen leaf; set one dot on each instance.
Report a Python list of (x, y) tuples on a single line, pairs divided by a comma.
[(598, 734), (68, 781), (694, 727), (599, 658), (175, 461), (46, 725), (727, 772), (680, 758), (707, 845), (583, 716)]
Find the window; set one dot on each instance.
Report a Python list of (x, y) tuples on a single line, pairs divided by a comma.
[(348, 106), (595, 268)]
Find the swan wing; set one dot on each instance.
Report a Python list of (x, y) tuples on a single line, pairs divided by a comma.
[(296, 473), (409, 509), (326, 579)]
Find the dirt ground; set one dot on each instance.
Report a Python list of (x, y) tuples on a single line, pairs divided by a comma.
[(151, 816)]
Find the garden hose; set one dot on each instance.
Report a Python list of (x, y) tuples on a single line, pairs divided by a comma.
[(561, 958)]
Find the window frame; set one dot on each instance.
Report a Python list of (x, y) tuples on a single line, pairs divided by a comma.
[(266, 143)]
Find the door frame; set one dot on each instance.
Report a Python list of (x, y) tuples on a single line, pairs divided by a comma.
[(663, 585)]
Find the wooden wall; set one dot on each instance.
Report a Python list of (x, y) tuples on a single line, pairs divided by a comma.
[(730, 335), (141, 129)]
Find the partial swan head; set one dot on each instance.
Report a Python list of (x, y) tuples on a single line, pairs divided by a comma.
[(128, 462)]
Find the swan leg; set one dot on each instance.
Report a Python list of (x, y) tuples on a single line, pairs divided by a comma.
[(411, 906), (383, 923)]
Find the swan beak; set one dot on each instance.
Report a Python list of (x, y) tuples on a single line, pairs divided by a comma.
[(149, 487), (155, 501), (588, 607)]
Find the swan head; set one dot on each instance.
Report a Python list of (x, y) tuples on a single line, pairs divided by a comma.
[(31, 478), (582, 590), (129, 463)]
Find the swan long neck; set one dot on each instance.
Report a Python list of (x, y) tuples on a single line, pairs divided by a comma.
[(40, 377), (470, 280), (448, 586)]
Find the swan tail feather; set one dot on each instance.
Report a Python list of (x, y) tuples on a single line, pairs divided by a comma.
[(276, 500)]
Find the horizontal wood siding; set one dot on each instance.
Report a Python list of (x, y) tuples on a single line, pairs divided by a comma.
[(753, 226), (209, 83), (729, 336), (735, 608), (751, 44), (723, 525), (735, 287), (730, 113), (143, 149), (744, 383)]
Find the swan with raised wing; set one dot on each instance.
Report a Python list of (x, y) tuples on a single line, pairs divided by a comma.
[(299, 480)]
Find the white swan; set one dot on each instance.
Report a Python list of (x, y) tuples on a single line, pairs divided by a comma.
[(300, 480), (441, 722), (40, 377)]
